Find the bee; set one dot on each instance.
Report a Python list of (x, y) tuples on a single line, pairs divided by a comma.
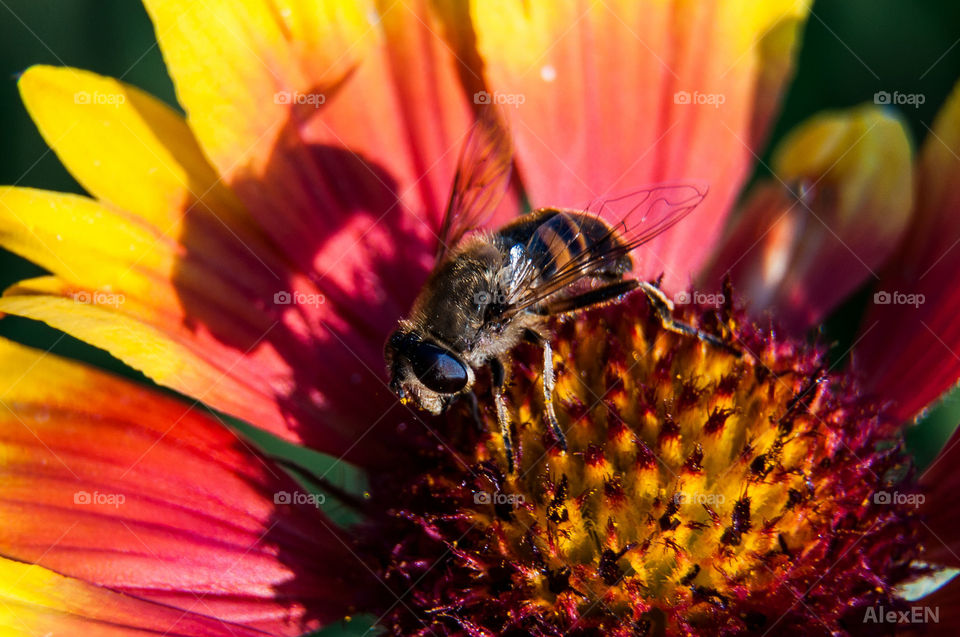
[(491, 290)]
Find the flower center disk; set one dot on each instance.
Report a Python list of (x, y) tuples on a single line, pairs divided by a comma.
[(701, 490)]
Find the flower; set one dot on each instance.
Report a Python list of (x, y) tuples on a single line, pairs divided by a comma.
[(254, 254)]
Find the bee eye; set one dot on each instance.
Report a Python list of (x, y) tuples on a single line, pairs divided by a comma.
[(439, 370), (396, 339)]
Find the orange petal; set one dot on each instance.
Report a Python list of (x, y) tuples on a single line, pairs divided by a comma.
[(114, 484), (800, 255), (609, 97), (911, 336)]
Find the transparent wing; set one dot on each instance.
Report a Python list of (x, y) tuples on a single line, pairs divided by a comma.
[(572, 245), (482, 177)]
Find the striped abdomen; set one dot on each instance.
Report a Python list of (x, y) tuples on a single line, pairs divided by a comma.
[(555, 238)]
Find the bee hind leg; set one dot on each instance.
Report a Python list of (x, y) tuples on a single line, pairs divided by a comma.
[(664, 308), (499, 378), (549, 382)]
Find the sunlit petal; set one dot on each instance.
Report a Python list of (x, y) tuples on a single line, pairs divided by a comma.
[(606, 97), (119, 486)]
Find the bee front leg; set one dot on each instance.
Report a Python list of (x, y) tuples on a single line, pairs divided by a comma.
[(664, 308), (549, 382), (499, 377), (471, 399)]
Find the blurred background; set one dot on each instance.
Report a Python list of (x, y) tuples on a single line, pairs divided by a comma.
[(851, 50)]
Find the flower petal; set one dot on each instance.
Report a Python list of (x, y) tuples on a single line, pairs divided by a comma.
[(800, 255), (197, 280), (121, 287), (613, 96), (126, 148), (911, 337), (116, 485), (777, 54), (35, 601), (940, 512), (940, 611), (309, 111)]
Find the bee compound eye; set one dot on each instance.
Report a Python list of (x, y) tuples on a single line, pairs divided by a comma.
[(397, 340), (438, 369)]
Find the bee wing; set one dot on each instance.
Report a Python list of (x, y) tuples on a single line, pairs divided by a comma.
[(640, 217), (482, 177)]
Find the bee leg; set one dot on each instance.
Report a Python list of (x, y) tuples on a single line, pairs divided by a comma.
[(499, 379), (549, 382), (475, 411), (664, 307)]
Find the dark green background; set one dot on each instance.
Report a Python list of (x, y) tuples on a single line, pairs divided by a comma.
[(851, 49)]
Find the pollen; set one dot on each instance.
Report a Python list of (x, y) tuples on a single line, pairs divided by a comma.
[(704, 490)]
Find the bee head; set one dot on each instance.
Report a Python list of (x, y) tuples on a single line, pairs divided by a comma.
[(423, 371)]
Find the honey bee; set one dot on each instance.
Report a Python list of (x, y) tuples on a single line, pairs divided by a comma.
[(491, 290)]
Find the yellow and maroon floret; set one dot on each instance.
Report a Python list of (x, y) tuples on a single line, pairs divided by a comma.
[(703, 493)]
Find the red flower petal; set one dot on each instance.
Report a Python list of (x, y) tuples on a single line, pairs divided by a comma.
[(799, 257), (911, 336), (941, 482), (944, 605), (116, 485)]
